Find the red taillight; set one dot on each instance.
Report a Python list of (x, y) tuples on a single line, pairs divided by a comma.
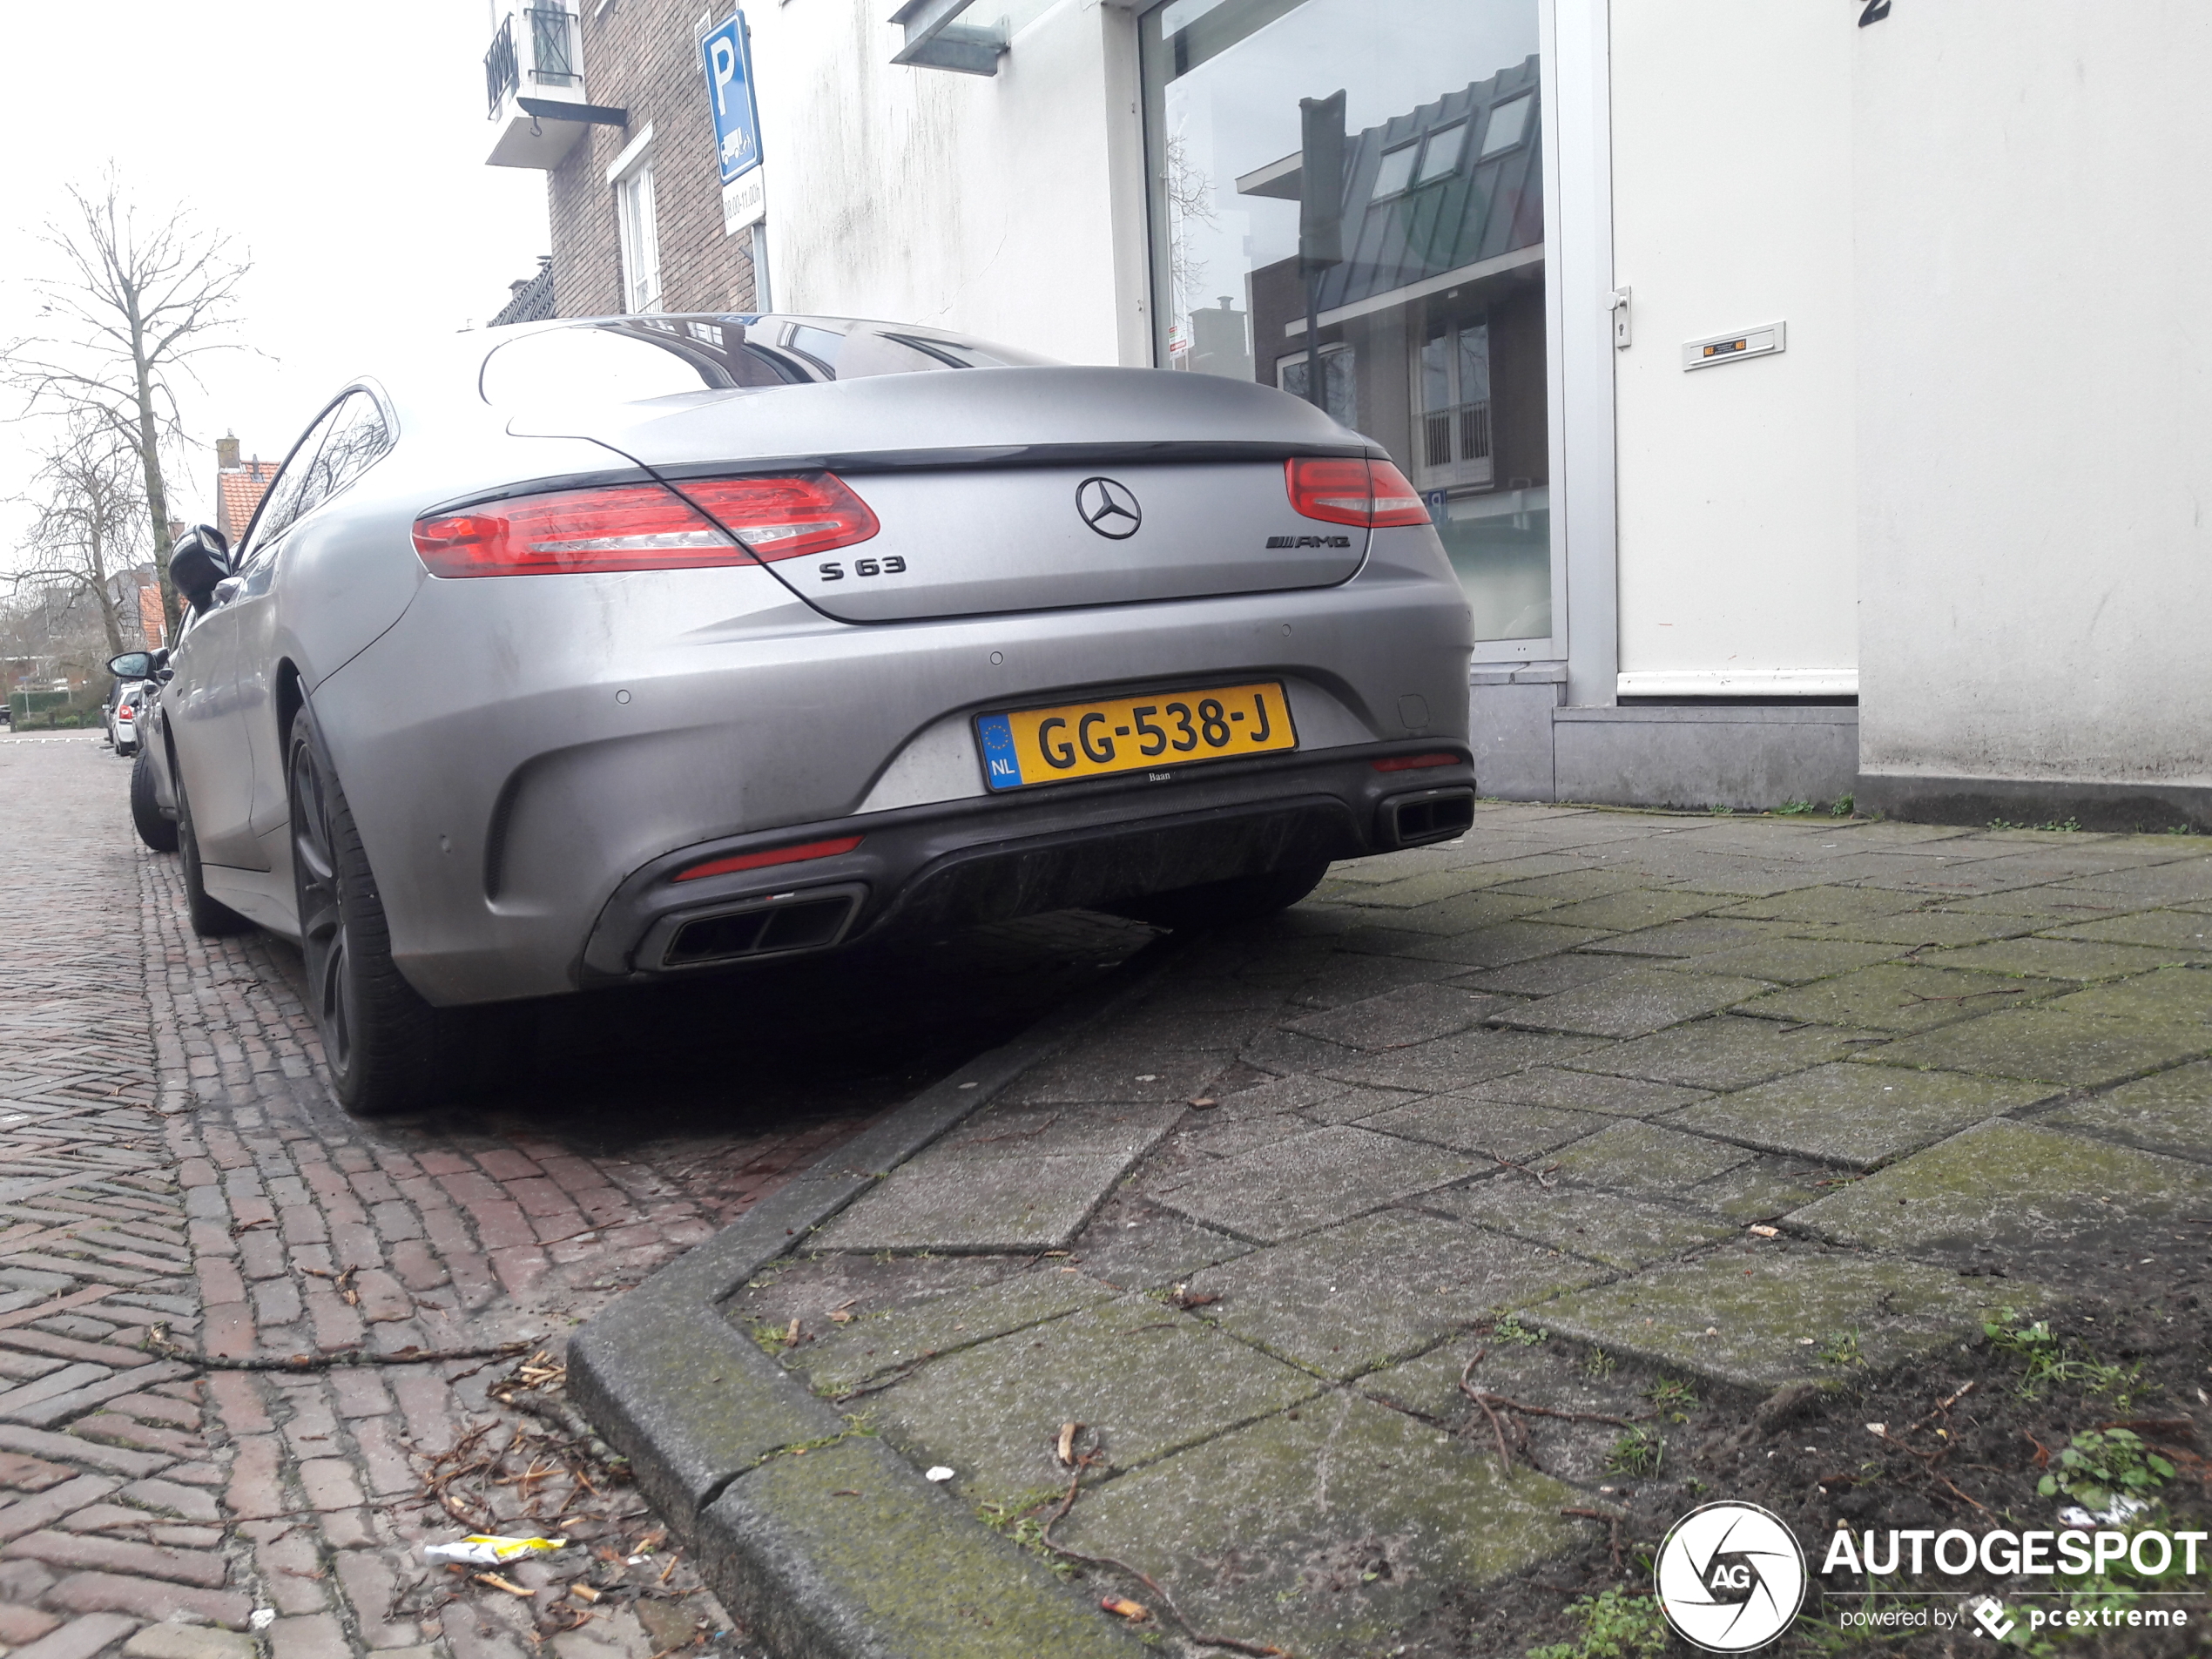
[(781, 518), (124, 713), (1342, 491), (647, 527), (772, 855), (1415, 763)]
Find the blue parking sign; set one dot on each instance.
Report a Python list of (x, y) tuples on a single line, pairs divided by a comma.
[(727, 57)]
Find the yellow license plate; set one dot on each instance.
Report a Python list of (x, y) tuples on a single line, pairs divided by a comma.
[(1149, 734)]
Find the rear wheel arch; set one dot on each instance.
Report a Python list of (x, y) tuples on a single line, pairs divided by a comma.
[(291, 695)]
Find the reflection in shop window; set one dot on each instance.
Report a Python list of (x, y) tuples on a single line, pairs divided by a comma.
[(1340, 381), (1430, 329)]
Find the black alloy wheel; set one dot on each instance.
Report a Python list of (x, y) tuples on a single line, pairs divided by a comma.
[(211, 918), (385, 1050), (156, 828)]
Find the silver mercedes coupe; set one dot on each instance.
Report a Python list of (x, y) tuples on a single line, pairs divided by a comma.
[(603, 651)]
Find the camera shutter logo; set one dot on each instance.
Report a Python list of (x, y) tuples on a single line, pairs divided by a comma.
[(1730, 1577)]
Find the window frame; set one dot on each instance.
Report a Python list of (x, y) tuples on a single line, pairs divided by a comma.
[(636, 210)]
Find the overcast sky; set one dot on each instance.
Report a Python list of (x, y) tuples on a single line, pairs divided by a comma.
[(342, 148)]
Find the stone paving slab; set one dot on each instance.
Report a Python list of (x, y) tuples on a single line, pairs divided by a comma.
[(1022, 1178), (1606, 1227), (1398, 1019), (1586, 1091), (1494, 1128), (1724, 1051), (1758, 1317), (1896, 996), (1342, 1520), (1455, 1061), (1788, 961), (2172, 996), (2061, 958), (2169, 1112), (1646, 1158), (875, 1344), (1861, 1117), (2053, 1045), (1632, 1004), (2185, 931), (1360, 1295), (1311, 1180), (2019, 1188), (1509, 942), (1145, 1379)]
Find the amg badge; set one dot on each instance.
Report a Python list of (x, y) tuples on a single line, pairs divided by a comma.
[(1309, 541)]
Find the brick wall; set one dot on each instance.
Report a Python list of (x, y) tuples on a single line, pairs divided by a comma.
[(644, 55)]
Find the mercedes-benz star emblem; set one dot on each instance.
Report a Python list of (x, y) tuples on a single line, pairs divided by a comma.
[(1108, 508)]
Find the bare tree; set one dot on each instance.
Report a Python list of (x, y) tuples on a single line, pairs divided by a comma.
[(90, 526), (128, 306)]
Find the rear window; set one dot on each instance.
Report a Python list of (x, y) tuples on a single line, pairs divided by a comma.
[(636, 359)]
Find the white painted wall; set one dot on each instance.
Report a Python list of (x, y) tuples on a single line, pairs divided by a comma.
[(2034, 411), (988, 204), (1732, 207)]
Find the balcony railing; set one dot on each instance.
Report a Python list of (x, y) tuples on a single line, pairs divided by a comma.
[(1469, 423), (501, 76)]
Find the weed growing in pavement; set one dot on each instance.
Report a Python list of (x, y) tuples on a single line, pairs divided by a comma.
[(1842, 808), (2100, 1465), (1599, 1365), (1510, 1329), (2067, 826), (1841, 1349), (1022, 1518), (1673, 1397), (1615, 1626), (1722, 811), (2046, 1362), (1638, 1452), (1794, 809)]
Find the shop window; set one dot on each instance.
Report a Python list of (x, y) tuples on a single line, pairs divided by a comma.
[(1428, 331)]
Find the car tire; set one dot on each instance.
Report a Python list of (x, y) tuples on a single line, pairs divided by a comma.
[(211, 918), (387, 1050), (1222, 904), (155, 828)]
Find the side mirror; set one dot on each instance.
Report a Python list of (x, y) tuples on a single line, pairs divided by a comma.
[(199, 558), (132, 666)]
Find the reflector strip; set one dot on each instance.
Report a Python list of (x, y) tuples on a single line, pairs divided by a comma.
[(1414, 763), (769, 856)]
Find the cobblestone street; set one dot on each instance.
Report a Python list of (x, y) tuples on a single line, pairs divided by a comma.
[(173, 1177)]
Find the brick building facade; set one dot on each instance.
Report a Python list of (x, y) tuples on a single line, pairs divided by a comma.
[(643, 56)]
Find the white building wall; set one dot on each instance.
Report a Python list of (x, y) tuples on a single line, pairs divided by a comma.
[(988, 204), (1732, 207), (2034, 412)]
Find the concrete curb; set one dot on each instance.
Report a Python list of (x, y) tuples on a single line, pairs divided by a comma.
[(844, 1552)]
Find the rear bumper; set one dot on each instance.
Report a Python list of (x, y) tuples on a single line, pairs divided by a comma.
[(991, 859)]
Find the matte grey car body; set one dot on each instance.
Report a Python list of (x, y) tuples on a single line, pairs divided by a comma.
[(532, 760)]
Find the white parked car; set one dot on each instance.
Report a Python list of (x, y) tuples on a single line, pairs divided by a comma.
[(123, 717)]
